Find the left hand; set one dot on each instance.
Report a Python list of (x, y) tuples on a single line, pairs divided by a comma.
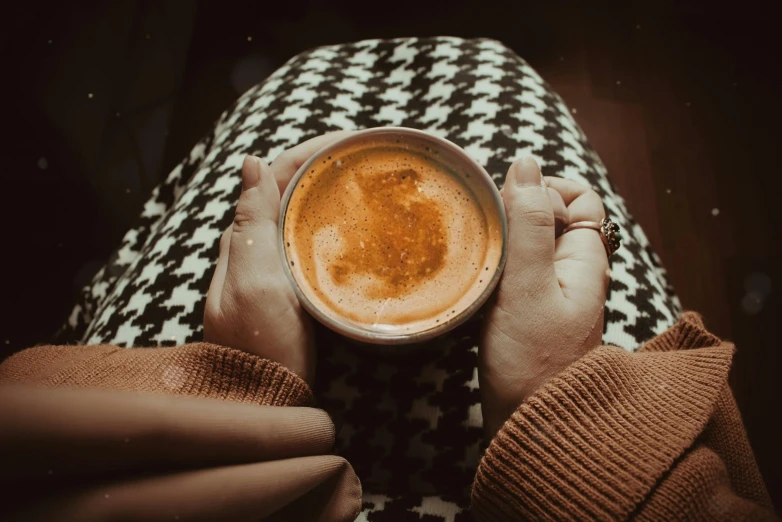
[(251, 305), (547, 311)]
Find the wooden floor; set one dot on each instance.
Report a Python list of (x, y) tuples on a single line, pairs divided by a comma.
[(680, 99), (684, 114)]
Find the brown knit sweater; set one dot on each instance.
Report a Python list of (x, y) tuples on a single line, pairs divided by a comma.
[(653, 435)]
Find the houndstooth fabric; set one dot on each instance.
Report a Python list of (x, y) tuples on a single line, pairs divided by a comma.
[(410, 426)]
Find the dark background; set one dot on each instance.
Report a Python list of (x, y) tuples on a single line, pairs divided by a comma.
[(681, 99)]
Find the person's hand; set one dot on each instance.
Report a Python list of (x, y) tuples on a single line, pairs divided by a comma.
[(251, 305), (548, 309)]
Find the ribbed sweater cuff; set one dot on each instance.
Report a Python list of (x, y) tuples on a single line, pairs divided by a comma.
[(234, 375), (196, 370), (593, 441)]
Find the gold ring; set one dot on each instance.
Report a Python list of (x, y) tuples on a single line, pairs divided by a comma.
[(609, 231)]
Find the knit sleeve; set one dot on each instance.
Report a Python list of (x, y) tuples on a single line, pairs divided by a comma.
[(196, 370), (620, 435)]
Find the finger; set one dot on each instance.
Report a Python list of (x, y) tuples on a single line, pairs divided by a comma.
[(569, 190), (530, 225), (253, 251), (218, 278), (290, 161), (581, 202), (560, 211), (580, 257)]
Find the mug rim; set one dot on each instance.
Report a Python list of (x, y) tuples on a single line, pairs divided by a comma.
[(381, 338)]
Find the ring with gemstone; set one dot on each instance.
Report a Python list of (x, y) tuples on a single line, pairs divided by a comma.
[(609, 231)]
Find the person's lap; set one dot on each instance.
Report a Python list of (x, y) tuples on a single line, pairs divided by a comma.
[(410, 426)]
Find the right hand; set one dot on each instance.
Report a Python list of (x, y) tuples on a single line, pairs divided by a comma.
[(548, 309)]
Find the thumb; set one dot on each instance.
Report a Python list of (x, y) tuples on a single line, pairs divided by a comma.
[(530, 226), (260, 200), (253, 251)]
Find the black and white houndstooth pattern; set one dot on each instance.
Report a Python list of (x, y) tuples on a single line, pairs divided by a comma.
[(411, 427)]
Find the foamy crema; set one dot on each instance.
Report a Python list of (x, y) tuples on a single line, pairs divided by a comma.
[(392, 235)]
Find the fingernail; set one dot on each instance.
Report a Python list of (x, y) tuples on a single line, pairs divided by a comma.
[(527, 173)]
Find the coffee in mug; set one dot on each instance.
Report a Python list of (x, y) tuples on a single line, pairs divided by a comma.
[(392, 235)]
